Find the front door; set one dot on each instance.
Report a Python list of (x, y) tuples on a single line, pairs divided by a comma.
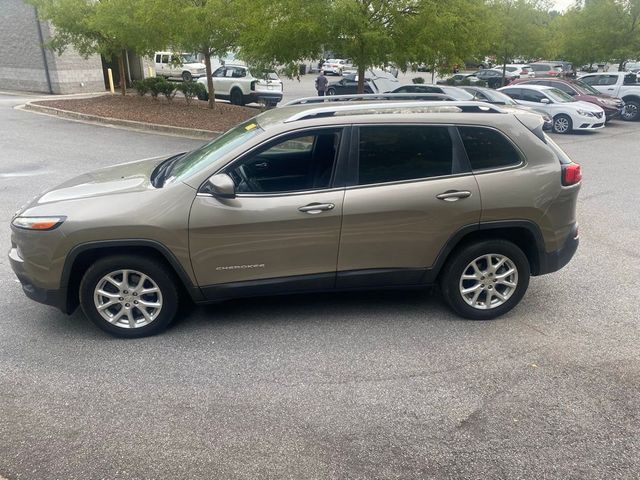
[(283, 226), (413, 191)]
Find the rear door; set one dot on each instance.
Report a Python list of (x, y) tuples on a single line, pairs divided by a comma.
[(410, 191)]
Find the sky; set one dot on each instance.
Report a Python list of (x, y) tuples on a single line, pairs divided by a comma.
[(562, 4)]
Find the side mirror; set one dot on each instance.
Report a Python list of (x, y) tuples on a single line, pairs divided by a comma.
[(545, 100), (221, 185)]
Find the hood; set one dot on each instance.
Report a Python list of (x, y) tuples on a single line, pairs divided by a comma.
[(589, 107), (126, 177)]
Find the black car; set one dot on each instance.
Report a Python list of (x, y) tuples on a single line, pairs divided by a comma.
[(348, 85), (455, 92), (493, 78)]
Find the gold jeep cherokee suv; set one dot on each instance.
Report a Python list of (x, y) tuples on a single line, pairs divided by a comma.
[(311, 197)]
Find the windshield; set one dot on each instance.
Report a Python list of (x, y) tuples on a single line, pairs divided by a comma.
[(585, 88), (206, 155), (559, 96), (496, 97), (189, 58)]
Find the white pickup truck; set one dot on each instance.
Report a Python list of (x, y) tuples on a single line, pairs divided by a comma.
[(618, 84), (236, 84)]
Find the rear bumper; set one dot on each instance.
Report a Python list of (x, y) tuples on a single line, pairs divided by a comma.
[(56, 298), (271, 96), (554, 261)]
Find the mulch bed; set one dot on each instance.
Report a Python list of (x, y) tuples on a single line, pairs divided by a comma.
[(161, 112)]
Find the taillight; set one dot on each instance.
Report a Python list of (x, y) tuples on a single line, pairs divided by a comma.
[(253, 84), (571, 174)]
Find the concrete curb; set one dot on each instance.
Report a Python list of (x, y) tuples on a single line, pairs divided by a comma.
[(120, 123)]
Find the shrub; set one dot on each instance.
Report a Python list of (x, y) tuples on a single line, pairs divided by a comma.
[(141, 86), (153, 84), (190, 90), (168, 89), (417, 80), (450, 81)]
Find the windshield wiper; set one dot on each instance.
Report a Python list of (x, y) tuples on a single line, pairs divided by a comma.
[(160, 173)]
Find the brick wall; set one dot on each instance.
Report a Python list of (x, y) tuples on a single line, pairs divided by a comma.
[(21, 59)]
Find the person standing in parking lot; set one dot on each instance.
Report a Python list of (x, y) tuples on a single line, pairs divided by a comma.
[(321, 84)]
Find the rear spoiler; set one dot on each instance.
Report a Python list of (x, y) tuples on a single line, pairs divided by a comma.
[(533, 122)]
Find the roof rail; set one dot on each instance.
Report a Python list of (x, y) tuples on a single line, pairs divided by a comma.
[(370, 97), (395, 107)]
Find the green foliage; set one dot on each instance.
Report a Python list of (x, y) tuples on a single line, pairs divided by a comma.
[(154, 85), (191, 90), (141, 86), (417, 80)]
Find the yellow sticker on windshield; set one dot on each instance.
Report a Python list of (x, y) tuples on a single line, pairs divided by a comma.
[(251, 126)]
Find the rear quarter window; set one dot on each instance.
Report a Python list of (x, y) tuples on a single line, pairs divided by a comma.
[(487, 148)]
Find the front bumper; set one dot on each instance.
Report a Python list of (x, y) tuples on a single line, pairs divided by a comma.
[(554, 261), (56, 298)]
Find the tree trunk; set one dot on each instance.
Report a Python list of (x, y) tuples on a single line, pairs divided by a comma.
[(361, 70), (207, 64), (122, 73)]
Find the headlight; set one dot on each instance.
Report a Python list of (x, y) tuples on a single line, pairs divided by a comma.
[(585, 113), (38, 223)]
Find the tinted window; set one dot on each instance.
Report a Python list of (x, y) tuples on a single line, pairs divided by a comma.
[(299, 162), (219, 72), (630, 79), (515, 93), (488, 148), (592, 80), (394, 153), (531, 96)]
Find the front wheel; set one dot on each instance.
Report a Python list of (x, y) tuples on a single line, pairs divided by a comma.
[(562, 124), (486, 279), (187, 77), (129, 296), (631, 110), (331, 91)]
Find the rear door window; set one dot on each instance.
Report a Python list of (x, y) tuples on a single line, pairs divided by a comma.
[(403, 152), (488, 148)]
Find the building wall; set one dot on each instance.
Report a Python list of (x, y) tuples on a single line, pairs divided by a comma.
[(22, 66)]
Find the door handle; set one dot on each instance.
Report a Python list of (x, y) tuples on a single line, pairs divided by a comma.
[(314, 208), (453, 195), (261, 165)]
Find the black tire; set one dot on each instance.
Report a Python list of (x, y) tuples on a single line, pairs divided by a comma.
[(331, 91), (562, 124), (157, 272), (204, 96), (457, 265), (236, 97), (271, 103), (187, 77), (631, 110)]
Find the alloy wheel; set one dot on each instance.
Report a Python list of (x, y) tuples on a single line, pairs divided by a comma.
[(128, 299), (488, 281), (630, 111), (561, 124)]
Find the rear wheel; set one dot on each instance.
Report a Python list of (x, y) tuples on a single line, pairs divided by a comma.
[(129, 296), (631, 110), (236, 97), (486, 279), (186, 76), (562, 124)]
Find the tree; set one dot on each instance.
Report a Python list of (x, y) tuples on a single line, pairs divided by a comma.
[(518, 29), (104, 27), (209, 27)]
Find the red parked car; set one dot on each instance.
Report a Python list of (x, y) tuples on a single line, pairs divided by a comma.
[(612, 106)]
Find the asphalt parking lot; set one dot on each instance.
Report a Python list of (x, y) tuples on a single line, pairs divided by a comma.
[(367, 385)]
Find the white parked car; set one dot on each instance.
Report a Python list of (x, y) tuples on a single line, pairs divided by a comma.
[(179, 65), (236, 84), (519, 71), (335, 66), (567, 113)]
